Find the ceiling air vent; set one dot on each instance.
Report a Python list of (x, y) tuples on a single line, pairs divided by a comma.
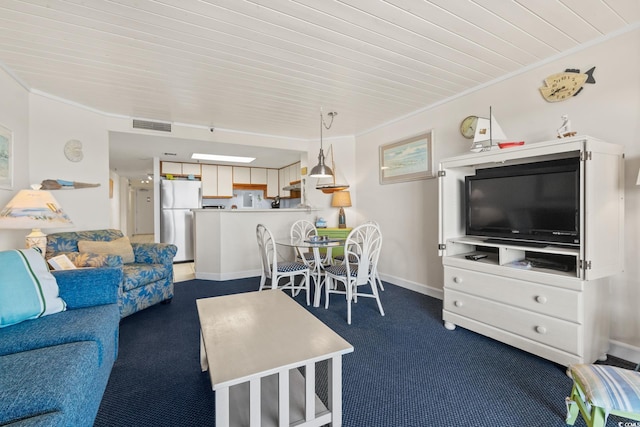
[(145, 124)]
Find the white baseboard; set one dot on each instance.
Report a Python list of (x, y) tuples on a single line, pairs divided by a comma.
[(624, 351), (228, 276), (414, 286)]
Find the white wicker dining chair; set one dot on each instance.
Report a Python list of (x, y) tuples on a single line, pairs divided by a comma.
[(275, 271), (362, 245), (339, 259), (303, 229)]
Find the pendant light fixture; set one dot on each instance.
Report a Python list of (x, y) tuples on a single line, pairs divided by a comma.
[(321, 170)]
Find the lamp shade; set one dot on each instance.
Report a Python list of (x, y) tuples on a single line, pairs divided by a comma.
[(341, 199), (33, 209), (321, 170), (638, 180)]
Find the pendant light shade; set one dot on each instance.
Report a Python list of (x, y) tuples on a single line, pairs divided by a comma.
[(321, 170)]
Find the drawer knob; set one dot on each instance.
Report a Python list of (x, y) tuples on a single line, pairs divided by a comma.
[(458, 303), (541, 299), (457, 279), (541, 330)]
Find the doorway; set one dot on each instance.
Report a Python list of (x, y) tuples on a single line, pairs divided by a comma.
[(143, 211)]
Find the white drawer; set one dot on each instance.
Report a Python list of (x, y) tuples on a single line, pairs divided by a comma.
[(537, 327), (544, 299)]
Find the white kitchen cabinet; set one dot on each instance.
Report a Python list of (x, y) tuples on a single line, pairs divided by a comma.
[(241, 175), (217, 181), (295, 172), (172, 168), (273, 188), (191, 169), (283, 176), (259, 176), (180, 169), (562, 316), (209, 180), (225, 181)]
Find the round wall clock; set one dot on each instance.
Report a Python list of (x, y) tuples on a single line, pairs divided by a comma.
[(73, 150), (468, 126)]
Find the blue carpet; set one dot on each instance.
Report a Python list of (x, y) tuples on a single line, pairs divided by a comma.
[(406, 370)]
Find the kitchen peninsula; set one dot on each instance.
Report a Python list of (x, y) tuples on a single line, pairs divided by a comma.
[(225, 239)]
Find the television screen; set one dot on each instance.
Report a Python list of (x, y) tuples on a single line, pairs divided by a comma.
[(535, 202)]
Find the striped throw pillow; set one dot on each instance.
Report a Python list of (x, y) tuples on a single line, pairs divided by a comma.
[(27, 289)]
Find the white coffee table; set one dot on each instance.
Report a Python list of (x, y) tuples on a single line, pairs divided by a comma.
[(253, 344)]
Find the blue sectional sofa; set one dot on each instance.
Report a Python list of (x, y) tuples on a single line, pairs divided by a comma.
[(54, 369), (147, 280)]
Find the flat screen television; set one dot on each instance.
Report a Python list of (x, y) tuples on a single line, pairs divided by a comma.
[(534, 203)]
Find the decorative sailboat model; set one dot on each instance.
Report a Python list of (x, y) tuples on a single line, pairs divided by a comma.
[(333, 183), (490, 130)]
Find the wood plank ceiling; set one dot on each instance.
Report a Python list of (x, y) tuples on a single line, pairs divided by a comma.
[(268, 66)]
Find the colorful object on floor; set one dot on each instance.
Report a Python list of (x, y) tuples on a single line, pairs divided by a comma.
[(601, 390)]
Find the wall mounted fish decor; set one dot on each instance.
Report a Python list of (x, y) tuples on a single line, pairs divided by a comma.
[(562, 86)]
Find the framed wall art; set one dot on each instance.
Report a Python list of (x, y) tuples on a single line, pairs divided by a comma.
[(6, 158), (407, 160)]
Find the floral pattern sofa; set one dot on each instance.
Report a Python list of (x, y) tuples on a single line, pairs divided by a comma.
[(146, 281)]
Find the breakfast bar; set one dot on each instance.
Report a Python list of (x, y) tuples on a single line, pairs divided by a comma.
[(225, 246)]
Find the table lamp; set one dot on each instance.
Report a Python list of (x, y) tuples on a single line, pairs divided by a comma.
[(341, 199), (34, 209)]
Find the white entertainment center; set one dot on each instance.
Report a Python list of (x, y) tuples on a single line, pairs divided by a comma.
[(558, 314)]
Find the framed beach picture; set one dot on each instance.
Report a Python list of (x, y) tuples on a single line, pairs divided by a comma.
[(407, 160), (6, 158)]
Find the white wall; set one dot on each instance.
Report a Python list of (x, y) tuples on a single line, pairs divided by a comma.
[(14, 115), (608, 110), (51, 124)]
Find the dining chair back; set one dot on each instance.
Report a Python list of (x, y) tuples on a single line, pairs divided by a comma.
[(363, 245), (303, 229), (339, 259), (276, 270)]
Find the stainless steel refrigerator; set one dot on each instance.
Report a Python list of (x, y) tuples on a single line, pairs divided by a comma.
[(177, 198)]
